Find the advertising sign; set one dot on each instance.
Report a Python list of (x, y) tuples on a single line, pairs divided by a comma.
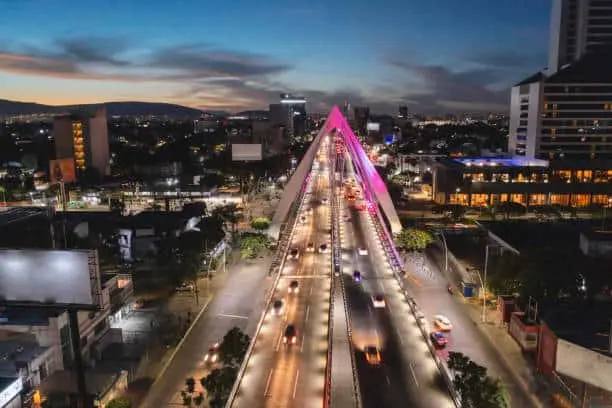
[(62, 170), (246, 152), (49, 276)]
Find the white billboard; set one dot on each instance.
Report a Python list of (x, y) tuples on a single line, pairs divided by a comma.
[(373, 127), (584, 365), (49, 276), (246, 152)]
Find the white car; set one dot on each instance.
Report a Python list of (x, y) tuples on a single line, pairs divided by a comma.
[(362, 251), (443, 323), (378, 301), (212, 355)]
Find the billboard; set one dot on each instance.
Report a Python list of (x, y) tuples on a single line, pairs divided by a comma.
[(373, 127), (62, 170), (246, 152), (584, 365), (49, 276)]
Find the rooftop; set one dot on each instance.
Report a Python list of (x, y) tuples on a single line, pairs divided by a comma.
[(586, 323), (502, 162), (590, 69)]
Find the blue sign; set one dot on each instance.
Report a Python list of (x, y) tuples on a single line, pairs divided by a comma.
[(389, 139)]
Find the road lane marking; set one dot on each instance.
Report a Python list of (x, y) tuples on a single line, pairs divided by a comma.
[(278, 343), (307, 313), (231, 316), (413, 375), (388, 380), (268, 383), (399, 336), (297, 377), (310, 292), (302, 342)]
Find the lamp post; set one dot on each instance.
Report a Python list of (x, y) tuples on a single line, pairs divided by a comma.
[(441, 234)]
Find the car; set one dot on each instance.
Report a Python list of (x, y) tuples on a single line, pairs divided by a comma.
[(378, 301), (212, 355), (309, 210), (294, 287), (303, 219), (310, 247), (290, 336), (357, 276), (185, 287), (278, 307), (323, 248), (294, 253), (362, 251), (443, 323), (324, 200), (372, 355), (438, 339)]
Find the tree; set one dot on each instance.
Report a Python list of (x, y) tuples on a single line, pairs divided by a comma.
[(253, 245), (229, 213), (233, 347), (190, 385), (504, 278), (261, 223), (218, 384), (121, 402), (413, 239), (475, 388), (198, 400)]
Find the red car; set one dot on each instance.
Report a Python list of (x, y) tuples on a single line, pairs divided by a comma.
[(438, 339)]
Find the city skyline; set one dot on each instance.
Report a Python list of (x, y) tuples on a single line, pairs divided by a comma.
[(435, 57)]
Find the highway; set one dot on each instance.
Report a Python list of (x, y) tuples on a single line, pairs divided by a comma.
[(407, 374), (429, 288), (280, 375)]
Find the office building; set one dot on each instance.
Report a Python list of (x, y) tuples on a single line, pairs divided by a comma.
[(578, 27), (565, 112), (481, 182), (83, 137), (290, 114), (567, 115), (403, 112), (362, 115)]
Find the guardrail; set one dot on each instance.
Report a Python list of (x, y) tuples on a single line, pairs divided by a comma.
[(285, 239), (397, 268), (338, 275)]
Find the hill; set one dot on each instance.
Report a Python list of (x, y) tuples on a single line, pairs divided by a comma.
[(8, 108)]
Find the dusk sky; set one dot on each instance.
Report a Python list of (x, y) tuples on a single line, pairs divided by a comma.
[(435, 56)]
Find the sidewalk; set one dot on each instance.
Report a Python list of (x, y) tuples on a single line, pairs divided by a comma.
[(520, 366)]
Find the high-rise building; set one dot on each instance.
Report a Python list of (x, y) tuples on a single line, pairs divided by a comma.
[(83, 137), (565, 112), (362, 114), (578, 27), (403, 112), (290, 114)]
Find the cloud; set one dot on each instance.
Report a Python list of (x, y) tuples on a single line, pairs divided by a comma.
[(444, 90), (200, 61), (91, 50)]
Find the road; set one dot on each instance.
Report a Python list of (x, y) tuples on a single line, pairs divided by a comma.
[(232, 306), (407, 375), (429, 288), (279, 375)]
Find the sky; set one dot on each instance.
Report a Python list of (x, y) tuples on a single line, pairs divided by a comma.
[(435, 56)]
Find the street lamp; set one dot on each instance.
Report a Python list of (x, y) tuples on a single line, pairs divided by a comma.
[(441, 234)]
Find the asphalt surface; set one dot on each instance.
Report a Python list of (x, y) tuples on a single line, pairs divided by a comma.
[(232, 306), (407, 375), (279, 375), (429, 288)]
